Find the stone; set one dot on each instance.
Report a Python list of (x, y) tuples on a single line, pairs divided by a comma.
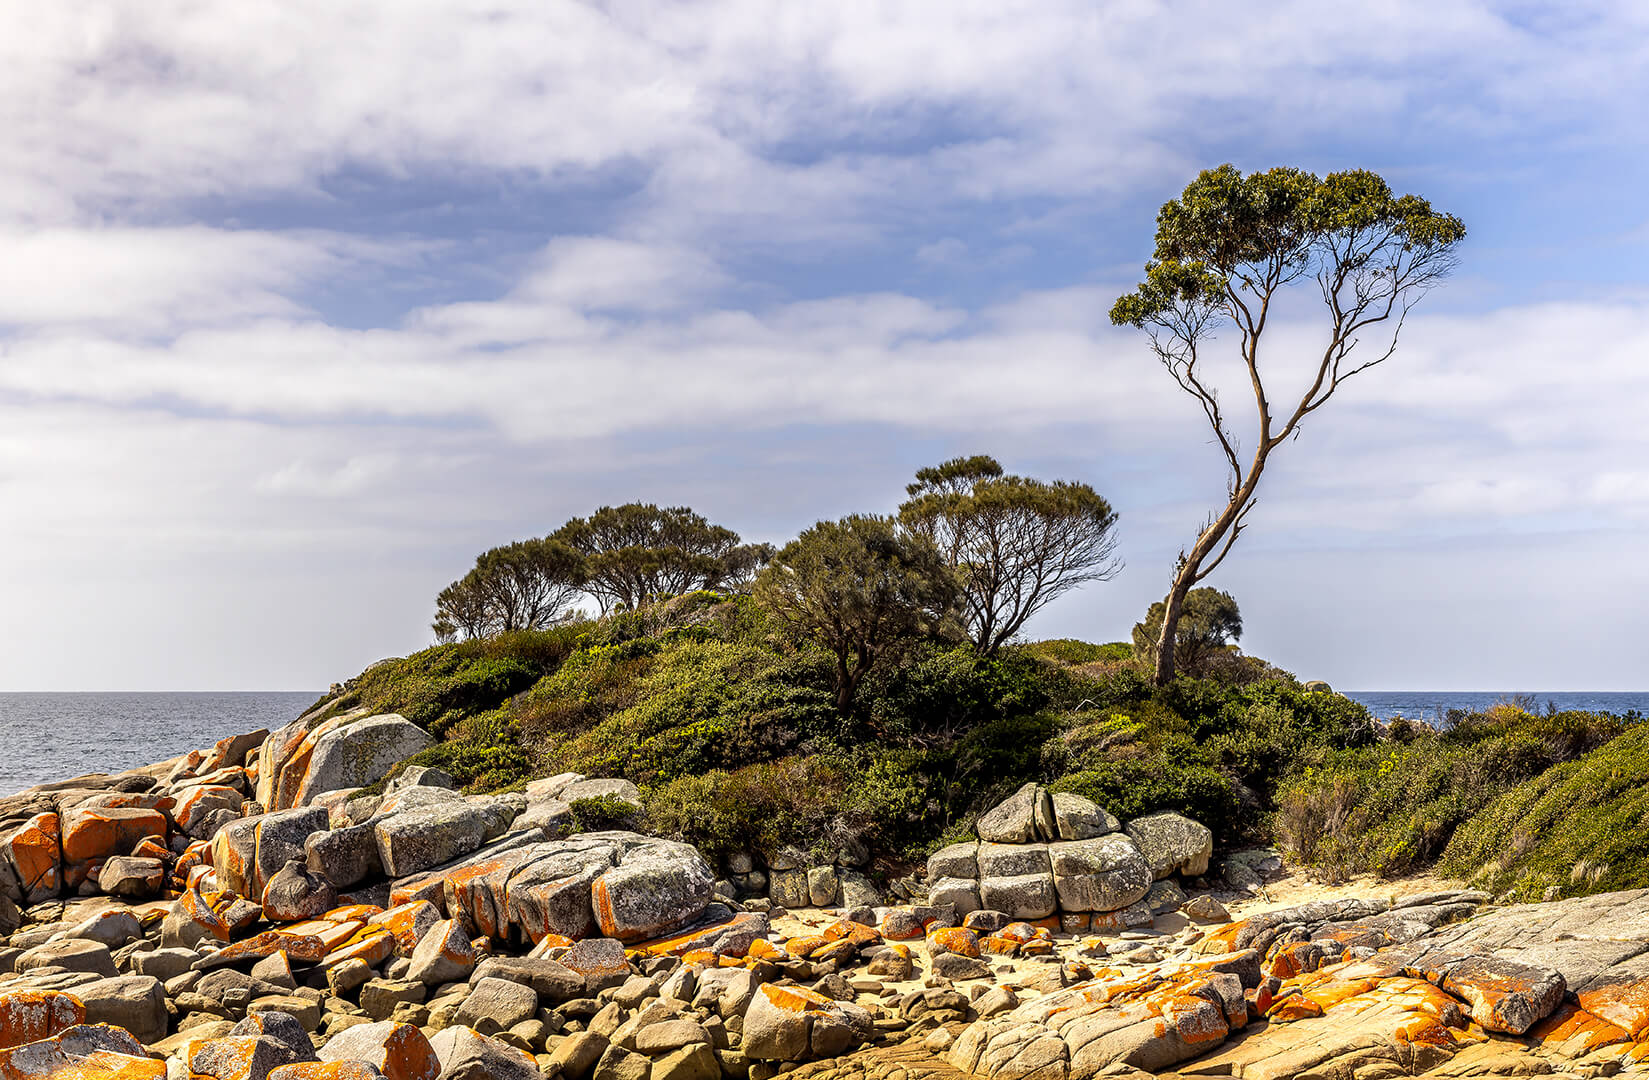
[(788, 888), (358, 753), (98, 832), (960, 893), (417, 839), (665, 1036), (408, 923), (696, 1061), (1105, 873), (134, 1002), (132, 877), (276, 970), (1203, 908), (398, 1051), (379, 997), (1172, 843), (1079, 818), (345, 857), (822, 886), (444, 955), (238, 1057), (70, 954), (955, 861), (279, 839), (114, 928), (598, 789), (949, 965), (32, 1015), (654, 890), (1014, 821), (164, 964), (600, 961), (466, 1054), (549, 979), (793, 1024), (296, 893), (499, 1002), (1012, 860), (304, 1010), (282, 1027), (576, 1056), (34, 851), (1024, 896), (198, 810), (422, 776)]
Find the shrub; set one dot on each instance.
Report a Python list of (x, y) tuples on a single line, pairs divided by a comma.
[(602, 812), (1163, 780)]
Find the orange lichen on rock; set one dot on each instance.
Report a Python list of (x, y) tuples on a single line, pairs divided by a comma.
[(332, 934), (1221, 939), (858, 933), (373, 945), (762, 949), (408, 923), (955, 939), (31, 1015), (195, 905), (36, 850), (998, 945), (794, 998), (1017, 932), (353, 912), (1572, 1031), (1295, 958), (325, 1070), (1624, 1004), (48, 1060), (100, 831), (304, 948), (801, 947)]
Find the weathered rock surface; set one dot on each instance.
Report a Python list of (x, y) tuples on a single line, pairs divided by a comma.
[(1172, 843)]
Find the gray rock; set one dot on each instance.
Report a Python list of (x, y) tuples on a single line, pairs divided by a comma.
[(960, 893), (655, 889), (380, 996), (1164, 897), (355, 754), (443, 955), (1012, 860), (1172, 843), (282, 1027), (345, 857), (164, 964), (239, 1057), (788, 888), (466, 1054), (596, 789), (551, 787), (280, 839), (1204, 908), (1101, 874), (498, 1002), (949, 965), (296, 893), (113, 928), (1077, 818), (70, 954), (422, 776), (856, 890), (1024, 896), (1014, 820), (427, 836), (552, 817), (134, 1002), (955, 861), (131, 876), (822, 886), (550, 979)]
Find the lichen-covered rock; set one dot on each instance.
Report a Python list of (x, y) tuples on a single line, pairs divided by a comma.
[(132, 877), (654, 889), (466, 1054), (426, 836), (1023, 896), (1105, 873), (196, 807), (954, 861), (444, 955), (616, 788), (791, 1023), (1079, 818), (279, 839), (1012, 860), (90, 1051), (788, 888), (358, 753), (1172, 843), (960, 893), (1015, 820), (297, 893), (134, 1002), (344, 856), (35, 852), (31, 1015), (398, 1051), (97, 832)]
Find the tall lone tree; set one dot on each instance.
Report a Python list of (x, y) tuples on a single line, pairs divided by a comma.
[(1227, 251), (1015, 543)]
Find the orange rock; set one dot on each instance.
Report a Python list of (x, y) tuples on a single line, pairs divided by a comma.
[(1293, 1007), (1050, 924), (149, 848), (305, 948), (197, 800), (794, 998), (399, 1051), (1295, 958), (48, 1060), (701, 957), (762, 949), (858, 933), (840, 949), (325, 1070), (31, 1015), (373, 945), (408, 923), (333, 935), (1036, 947), (1625, 1005), (1017, 931), (194, 904), (997, 945), (1572, 1032), (800, 947), (426, 887), (100, 831), (354, 912), (37, 854), (957, 940), (1222, 939)]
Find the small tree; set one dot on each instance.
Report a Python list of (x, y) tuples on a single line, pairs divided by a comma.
[(639, 552), (861, 589), (1015, 543), (1209, 621), (526, 585), (1226, 251)]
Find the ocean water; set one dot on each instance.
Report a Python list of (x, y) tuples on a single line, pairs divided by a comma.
[(1429, 705), (46, 737)]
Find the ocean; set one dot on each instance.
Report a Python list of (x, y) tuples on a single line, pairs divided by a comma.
[(46, 737)]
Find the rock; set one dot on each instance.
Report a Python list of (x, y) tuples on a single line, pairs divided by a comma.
[(960, 893), (97, 832), (575, 1058), (1077, 818), (1024, 896), (70, 954), (31, 1015), (893, 966), (296, 893), (134, 1002), (1012, 860), (654, 890), (822, 886), (1172, 843), (34, 851), (199, 809), (444, 955), (280, 839), (665, 1036), (597, 789), (238, 1057), (379, 997), (422, 776), (550, 979), (600, 961), (466, 1054), (788, 888), (499, 1002), (998, 999), (164, 964), (955, 861), (1164, 897), (305, 1011), (282, 1027), (949, 965), (1204, 908), (696, 1061), (1014, 821), (352, 755), (793, 1024), (417, 839), (113, 928), (398, 1051), (132, 877), (345, 857)]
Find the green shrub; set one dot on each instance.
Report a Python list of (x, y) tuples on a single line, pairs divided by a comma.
[(1073, 652), (601, 812), (1166, 779)]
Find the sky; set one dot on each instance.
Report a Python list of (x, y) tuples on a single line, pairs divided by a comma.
[(304, 305)]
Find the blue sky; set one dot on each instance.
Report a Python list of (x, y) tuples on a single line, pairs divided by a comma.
[(303, 307)]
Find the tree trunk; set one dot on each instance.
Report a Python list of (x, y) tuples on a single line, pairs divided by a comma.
[(1173, 607)]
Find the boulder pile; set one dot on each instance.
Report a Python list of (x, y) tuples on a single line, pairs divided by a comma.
[(1040, 854)]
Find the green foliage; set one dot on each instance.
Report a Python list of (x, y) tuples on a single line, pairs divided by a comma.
[(639, 553), (1074, 652), (1169, 777), (1393, 807), (602, 812), (482, 751), (526, 585), (1208, 623)]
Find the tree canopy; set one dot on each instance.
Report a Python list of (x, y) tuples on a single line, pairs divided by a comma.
[(860, 588), (639, 552), (1209, 621), (526, 585), (1226, 251), (1015, 543)]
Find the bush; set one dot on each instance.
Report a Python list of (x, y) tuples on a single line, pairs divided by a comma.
[(1166, 779), (602, 812), (757, 808)]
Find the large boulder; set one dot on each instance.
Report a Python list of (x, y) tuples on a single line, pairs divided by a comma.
[(960, 893), (1105, 873), (35, 853), (279, 839), (1010, 860), (445, 954), (1017, 820), (358, 753), (132, 877), (466, 1054), (1172, 843), (654, 889), (957, 860), (791, 1023), (232, 751), (134, 1002), (1021, 896), (601, 789), (1078, 818), (399, 1051), (97, 832), (345, 857), (429, 835), (296, 893)]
